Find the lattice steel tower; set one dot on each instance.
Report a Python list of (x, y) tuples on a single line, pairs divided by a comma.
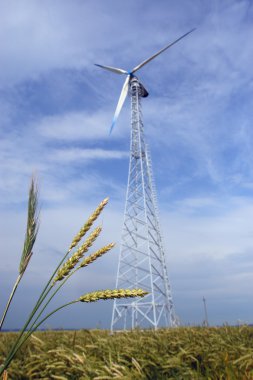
[(142, 258)]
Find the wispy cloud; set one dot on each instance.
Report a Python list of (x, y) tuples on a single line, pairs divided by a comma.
[(70, 155), (74, 126)]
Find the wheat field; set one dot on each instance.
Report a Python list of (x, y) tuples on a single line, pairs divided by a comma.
[(181, 353)]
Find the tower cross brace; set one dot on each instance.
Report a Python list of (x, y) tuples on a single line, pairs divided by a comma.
[(142, 258)]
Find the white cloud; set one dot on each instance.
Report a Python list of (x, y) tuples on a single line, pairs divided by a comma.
[(70, 155)]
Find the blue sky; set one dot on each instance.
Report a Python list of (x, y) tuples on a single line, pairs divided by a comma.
[(56, 109)]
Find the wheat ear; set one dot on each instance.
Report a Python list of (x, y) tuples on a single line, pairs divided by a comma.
[(94, 256), (88, 224), (75, 258), (111, 294)]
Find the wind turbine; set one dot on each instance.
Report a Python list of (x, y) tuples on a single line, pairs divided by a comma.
[(130, 76), (142, 261)]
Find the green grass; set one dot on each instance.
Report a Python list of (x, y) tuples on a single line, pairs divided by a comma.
[(182, 353)]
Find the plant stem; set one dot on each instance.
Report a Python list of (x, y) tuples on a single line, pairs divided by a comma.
[(10, 299), (21, 342), (54, 293), (16, 346), (36, 307)]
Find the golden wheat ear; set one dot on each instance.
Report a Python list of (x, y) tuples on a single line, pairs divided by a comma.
[(32, 226), (88, 224), (66, 268), (112, 294), (5, 375), (94, 256)]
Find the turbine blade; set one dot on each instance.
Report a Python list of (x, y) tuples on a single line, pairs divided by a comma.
[(160, 51), (121, 101), (113, 69)]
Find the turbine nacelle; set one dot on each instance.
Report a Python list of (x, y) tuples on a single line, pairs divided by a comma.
[(132, 78), (141, 89)]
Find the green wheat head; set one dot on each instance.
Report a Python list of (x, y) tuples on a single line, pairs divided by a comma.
[(32, 226)]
